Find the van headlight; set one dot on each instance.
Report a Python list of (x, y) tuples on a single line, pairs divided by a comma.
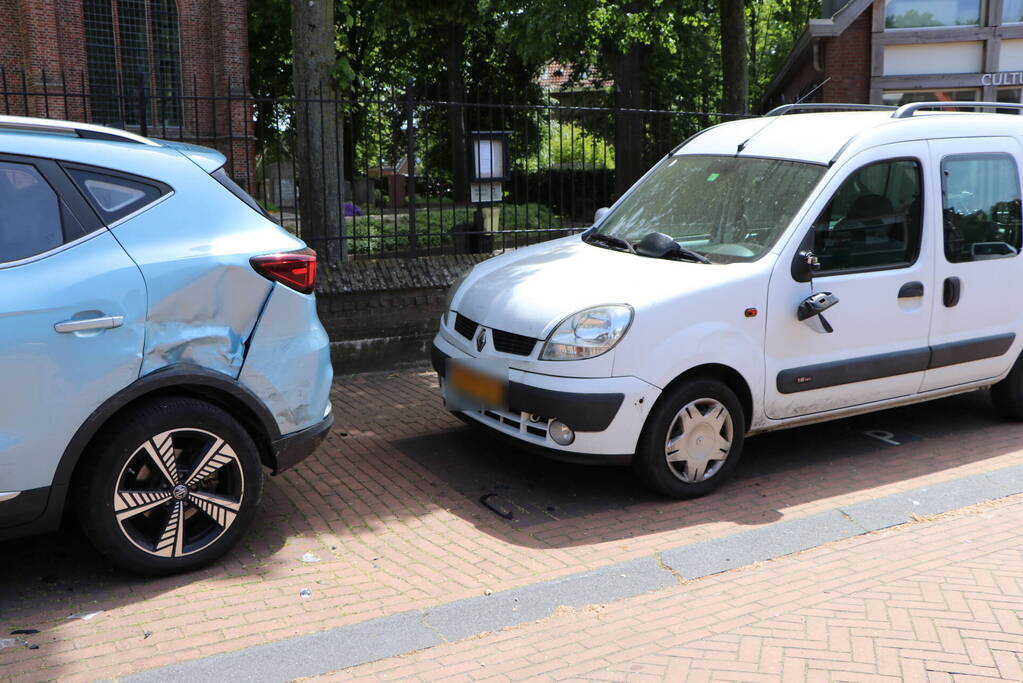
[(588, 333), (452, 290)]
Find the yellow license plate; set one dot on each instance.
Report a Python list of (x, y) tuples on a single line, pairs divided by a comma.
[(476, 385)]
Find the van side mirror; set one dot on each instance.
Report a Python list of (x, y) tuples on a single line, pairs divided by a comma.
[(599, 214), (804, 265), (815, 305)]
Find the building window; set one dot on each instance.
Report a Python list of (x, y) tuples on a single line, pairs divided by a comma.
[(927, 13), (1013, 95), (1012, 11), (132, 49), (900, 97)]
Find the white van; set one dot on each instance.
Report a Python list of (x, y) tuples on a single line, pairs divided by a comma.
[(767, 273)]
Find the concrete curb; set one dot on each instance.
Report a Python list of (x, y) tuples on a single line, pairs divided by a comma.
[(348, 646)]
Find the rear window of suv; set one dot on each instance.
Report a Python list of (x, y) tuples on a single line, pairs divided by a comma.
[(221, 177), (115, 195)]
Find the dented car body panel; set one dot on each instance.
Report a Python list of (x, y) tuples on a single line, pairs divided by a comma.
[(297, 393), (164, 284)]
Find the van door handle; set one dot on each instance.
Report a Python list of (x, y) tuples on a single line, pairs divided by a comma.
[(104, 323), (953, 289), (911, 289)]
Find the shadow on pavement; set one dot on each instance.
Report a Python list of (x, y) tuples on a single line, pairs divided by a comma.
[(517, 490), (52, 577)]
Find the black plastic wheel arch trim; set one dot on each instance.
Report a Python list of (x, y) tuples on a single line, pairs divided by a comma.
[(835, 373), (25, 507)]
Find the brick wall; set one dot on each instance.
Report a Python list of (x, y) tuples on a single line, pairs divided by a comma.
[(48, 37), (845, 59), (12, 46), (847, 63), (383, 313)]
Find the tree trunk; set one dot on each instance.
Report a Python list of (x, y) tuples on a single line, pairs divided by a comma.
[(454, 56), (734, 67), (317, 133), (630, 139)]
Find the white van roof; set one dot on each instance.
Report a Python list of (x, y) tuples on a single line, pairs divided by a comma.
[(824, 137)]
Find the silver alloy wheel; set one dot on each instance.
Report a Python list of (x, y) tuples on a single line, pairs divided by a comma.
[(179, 492), (698, 441)]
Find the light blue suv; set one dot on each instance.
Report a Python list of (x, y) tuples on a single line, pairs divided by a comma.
[(159, 344)]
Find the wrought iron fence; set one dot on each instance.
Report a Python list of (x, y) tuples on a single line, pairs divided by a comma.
[(391, 173)]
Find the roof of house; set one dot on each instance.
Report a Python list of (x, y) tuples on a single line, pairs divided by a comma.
[(558, 76)]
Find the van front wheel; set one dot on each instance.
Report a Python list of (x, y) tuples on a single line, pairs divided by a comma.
[(692, 440)]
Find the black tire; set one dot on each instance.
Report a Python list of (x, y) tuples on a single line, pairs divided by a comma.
[(1007, 395), (166, 526), (672, 479)]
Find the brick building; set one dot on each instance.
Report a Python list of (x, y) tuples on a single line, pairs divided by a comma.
[(176, 69), (873, 51)]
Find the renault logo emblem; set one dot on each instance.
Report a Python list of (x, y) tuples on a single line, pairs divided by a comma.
[(481, 340)]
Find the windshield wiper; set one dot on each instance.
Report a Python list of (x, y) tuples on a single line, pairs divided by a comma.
[(660, 245), (611, 241), (689, 254)]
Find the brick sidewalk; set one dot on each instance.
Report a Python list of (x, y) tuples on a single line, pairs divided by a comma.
[(936, 600), (392, 535)]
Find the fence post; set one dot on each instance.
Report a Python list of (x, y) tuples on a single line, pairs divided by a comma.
[(410, 157), (143, 126)]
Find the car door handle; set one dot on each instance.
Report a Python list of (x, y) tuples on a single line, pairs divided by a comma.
[(103, 323), (953, 289), (911, 289)]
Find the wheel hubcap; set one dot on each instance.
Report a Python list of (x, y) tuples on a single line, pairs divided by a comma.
[(699, 440), (179, 492)]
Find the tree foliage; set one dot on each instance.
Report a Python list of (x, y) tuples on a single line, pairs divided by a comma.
[(659, 54)]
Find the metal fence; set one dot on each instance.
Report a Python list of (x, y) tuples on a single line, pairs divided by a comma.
[(394, 169)]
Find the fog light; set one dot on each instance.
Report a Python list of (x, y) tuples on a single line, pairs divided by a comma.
[(561, 433)]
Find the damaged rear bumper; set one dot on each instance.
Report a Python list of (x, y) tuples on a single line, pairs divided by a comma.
[(295, 447)]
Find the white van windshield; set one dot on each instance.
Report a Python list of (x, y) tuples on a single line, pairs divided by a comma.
[(724, 208)]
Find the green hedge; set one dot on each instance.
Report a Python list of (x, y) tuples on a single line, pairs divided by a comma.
[(382, 233), (574, 193)]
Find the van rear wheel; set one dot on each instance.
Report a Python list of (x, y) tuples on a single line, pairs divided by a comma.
[(692, 440)]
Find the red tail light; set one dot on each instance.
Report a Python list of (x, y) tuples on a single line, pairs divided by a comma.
[(296, 269)]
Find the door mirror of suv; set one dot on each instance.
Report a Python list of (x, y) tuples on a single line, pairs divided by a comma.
[(599, 214), (815, 305)]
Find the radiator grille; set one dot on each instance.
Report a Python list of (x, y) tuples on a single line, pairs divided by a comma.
[(464, 326), (508, 342), (505, 342)]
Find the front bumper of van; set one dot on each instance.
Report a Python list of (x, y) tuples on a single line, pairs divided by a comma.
[(606, 414)]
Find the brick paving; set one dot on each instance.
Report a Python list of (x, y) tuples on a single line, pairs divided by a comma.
[(936, 600), (394, 536)]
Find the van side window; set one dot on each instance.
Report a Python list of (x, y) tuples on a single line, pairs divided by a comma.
[(873, 221), (980, 201)]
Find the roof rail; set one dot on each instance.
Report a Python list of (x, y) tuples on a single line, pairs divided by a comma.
[(82, 130), (908, 110), (825, 106)]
